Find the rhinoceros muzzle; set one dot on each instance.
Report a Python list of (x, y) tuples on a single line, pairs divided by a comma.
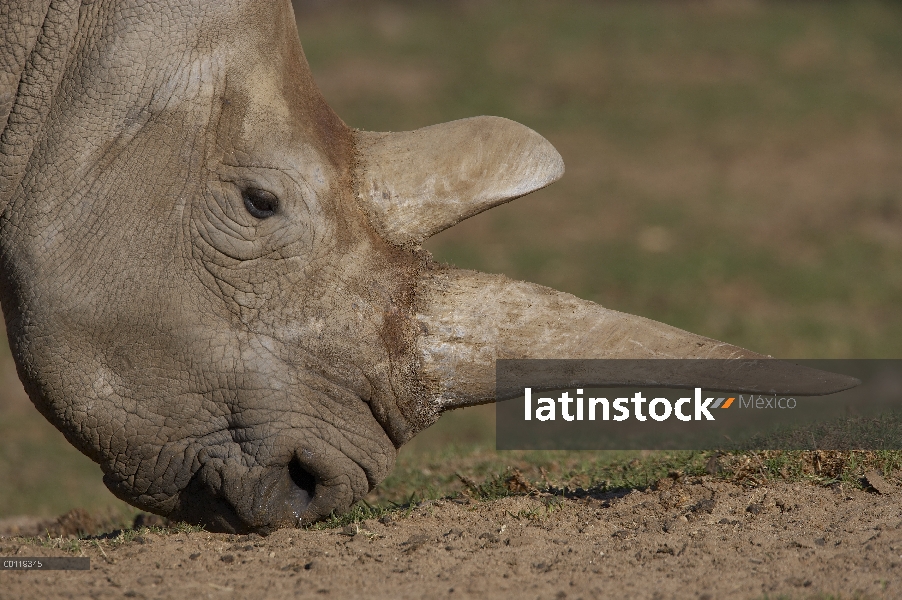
[(226, 498)]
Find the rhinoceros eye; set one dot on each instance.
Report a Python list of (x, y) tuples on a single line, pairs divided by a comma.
[(260, 203)]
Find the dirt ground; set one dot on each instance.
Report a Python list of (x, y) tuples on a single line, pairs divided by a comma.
[(690, 538)]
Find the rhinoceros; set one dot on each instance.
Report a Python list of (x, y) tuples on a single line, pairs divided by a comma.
[(216, 289)]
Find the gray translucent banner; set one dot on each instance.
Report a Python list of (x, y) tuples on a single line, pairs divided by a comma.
[(676, 404), (44, 563)]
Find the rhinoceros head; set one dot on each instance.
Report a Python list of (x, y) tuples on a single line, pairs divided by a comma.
[(216, 289)]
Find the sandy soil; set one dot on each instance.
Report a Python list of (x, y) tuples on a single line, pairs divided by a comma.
[(699, 538)]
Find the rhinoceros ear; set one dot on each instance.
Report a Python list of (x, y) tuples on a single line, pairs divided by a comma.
[(415, 184)]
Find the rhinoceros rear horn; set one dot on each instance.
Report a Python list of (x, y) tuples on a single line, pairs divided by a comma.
[(415, 184)]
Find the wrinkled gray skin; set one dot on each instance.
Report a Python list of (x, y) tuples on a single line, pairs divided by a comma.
[(250, 372)]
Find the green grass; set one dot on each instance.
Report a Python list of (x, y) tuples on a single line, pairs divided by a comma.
[(732, 169), (763, 141)]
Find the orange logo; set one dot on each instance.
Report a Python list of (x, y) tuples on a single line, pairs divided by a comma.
[(720, 401)]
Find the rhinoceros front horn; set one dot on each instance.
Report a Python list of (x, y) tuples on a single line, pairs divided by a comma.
[(471, 319), (416, 184)]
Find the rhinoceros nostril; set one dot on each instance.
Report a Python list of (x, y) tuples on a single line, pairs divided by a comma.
[(304, 485)]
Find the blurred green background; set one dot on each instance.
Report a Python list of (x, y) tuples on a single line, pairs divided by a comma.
[(734, 168)]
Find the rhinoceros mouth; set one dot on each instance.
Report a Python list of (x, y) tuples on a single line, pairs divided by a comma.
[(229, 497)]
